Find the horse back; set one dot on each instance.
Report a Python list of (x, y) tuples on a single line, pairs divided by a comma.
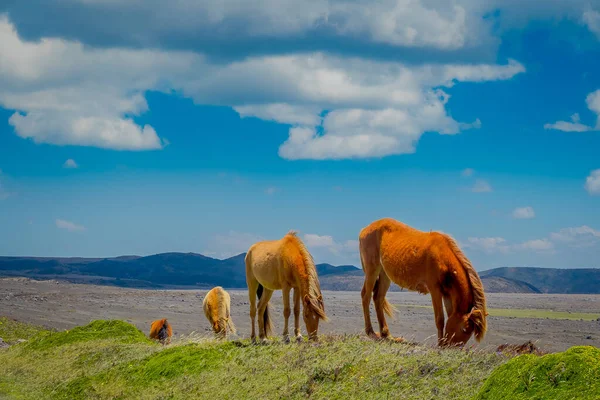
[(404, 253)]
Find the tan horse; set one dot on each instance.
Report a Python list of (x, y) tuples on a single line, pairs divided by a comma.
[(426, 262), (216, 306), (161, 330), (284, 264)]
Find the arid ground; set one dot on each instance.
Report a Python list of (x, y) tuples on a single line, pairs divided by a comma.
[(553, 322)]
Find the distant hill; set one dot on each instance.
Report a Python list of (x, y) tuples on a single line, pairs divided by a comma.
[(196, 270), (550, 280), (497, 284)]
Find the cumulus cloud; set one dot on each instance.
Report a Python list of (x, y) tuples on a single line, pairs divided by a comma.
[(488, 244), (593, 103), (66, 94), (313, 240), (70, 163), (326, 249), (481, 186), (592, 19), (231, 244), (538, 245), (581, 236), (592, 182), (493, 245), (523, 213), (339, 107), (69, 226)]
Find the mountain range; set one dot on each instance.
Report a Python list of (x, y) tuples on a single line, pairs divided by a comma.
[(168, 270)]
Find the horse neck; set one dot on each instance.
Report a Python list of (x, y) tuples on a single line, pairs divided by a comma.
[(460, 291), (306, 282)]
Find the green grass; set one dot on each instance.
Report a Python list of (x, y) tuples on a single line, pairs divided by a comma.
[(574, 374), (526, 313), (11, 330), (113, 360)]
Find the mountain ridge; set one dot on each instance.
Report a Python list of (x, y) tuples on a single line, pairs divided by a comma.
[(175, 269)]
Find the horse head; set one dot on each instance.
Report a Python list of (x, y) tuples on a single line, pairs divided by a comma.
[(461, 326), (314, 310)]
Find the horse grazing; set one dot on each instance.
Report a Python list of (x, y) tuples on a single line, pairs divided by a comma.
[(284, 264), (426, 262), (216, 306), (161, 330)]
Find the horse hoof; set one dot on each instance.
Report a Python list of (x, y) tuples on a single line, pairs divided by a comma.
[(264, 341), (396, 339), (286, 339), (299, 339), (374, 336)]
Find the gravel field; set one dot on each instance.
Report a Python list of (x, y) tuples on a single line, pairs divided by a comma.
[(63, 305)]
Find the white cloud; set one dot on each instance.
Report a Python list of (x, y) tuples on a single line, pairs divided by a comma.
[(481, 186), (581, 236), (312, 240), (523, 213), (69, 226), (68, 94), (592, 19), (231, 244), (538, 245), (488, 244), (593, 103), (283, 113), (70, 163), (592, 182), (467, 172), (326, 249)]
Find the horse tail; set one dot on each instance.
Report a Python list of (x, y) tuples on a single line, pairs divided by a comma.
[(388, 308), (267, 318)]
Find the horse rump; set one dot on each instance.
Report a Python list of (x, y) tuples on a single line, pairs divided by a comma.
[(161, 330)]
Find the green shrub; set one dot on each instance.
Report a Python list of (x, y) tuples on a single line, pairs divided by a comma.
[(573, 374)]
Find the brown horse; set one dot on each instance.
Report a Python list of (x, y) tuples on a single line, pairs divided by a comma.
[(284, 264), (161, 330), (426, 262), (216, 306)]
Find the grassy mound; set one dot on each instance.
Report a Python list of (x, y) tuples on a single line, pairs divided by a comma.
[(113, 360), (573, 374), (11, 331), (114, 330)]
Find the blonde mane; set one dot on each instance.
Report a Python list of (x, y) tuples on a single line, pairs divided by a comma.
[(314, 288), (479, 302)]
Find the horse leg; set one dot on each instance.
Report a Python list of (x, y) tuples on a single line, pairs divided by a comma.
[(297, 315), (381, 288), (262, 307), (252, 287), (448, 306), (286, 312), (366, 293), (438, 312)]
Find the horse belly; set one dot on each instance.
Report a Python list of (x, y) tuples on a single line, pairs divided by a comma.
[(406, 272), (266, 273)]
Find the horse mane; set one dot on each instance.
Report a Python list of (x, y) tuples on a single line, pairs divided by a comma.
[(314, 287), (479, 303)]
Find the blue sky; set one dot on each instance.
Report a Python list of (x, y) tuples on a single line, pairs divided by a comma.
[(211, 126)]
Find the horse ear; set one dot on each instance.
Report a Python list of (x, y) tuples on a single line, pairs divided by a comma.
[(306, 300)]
